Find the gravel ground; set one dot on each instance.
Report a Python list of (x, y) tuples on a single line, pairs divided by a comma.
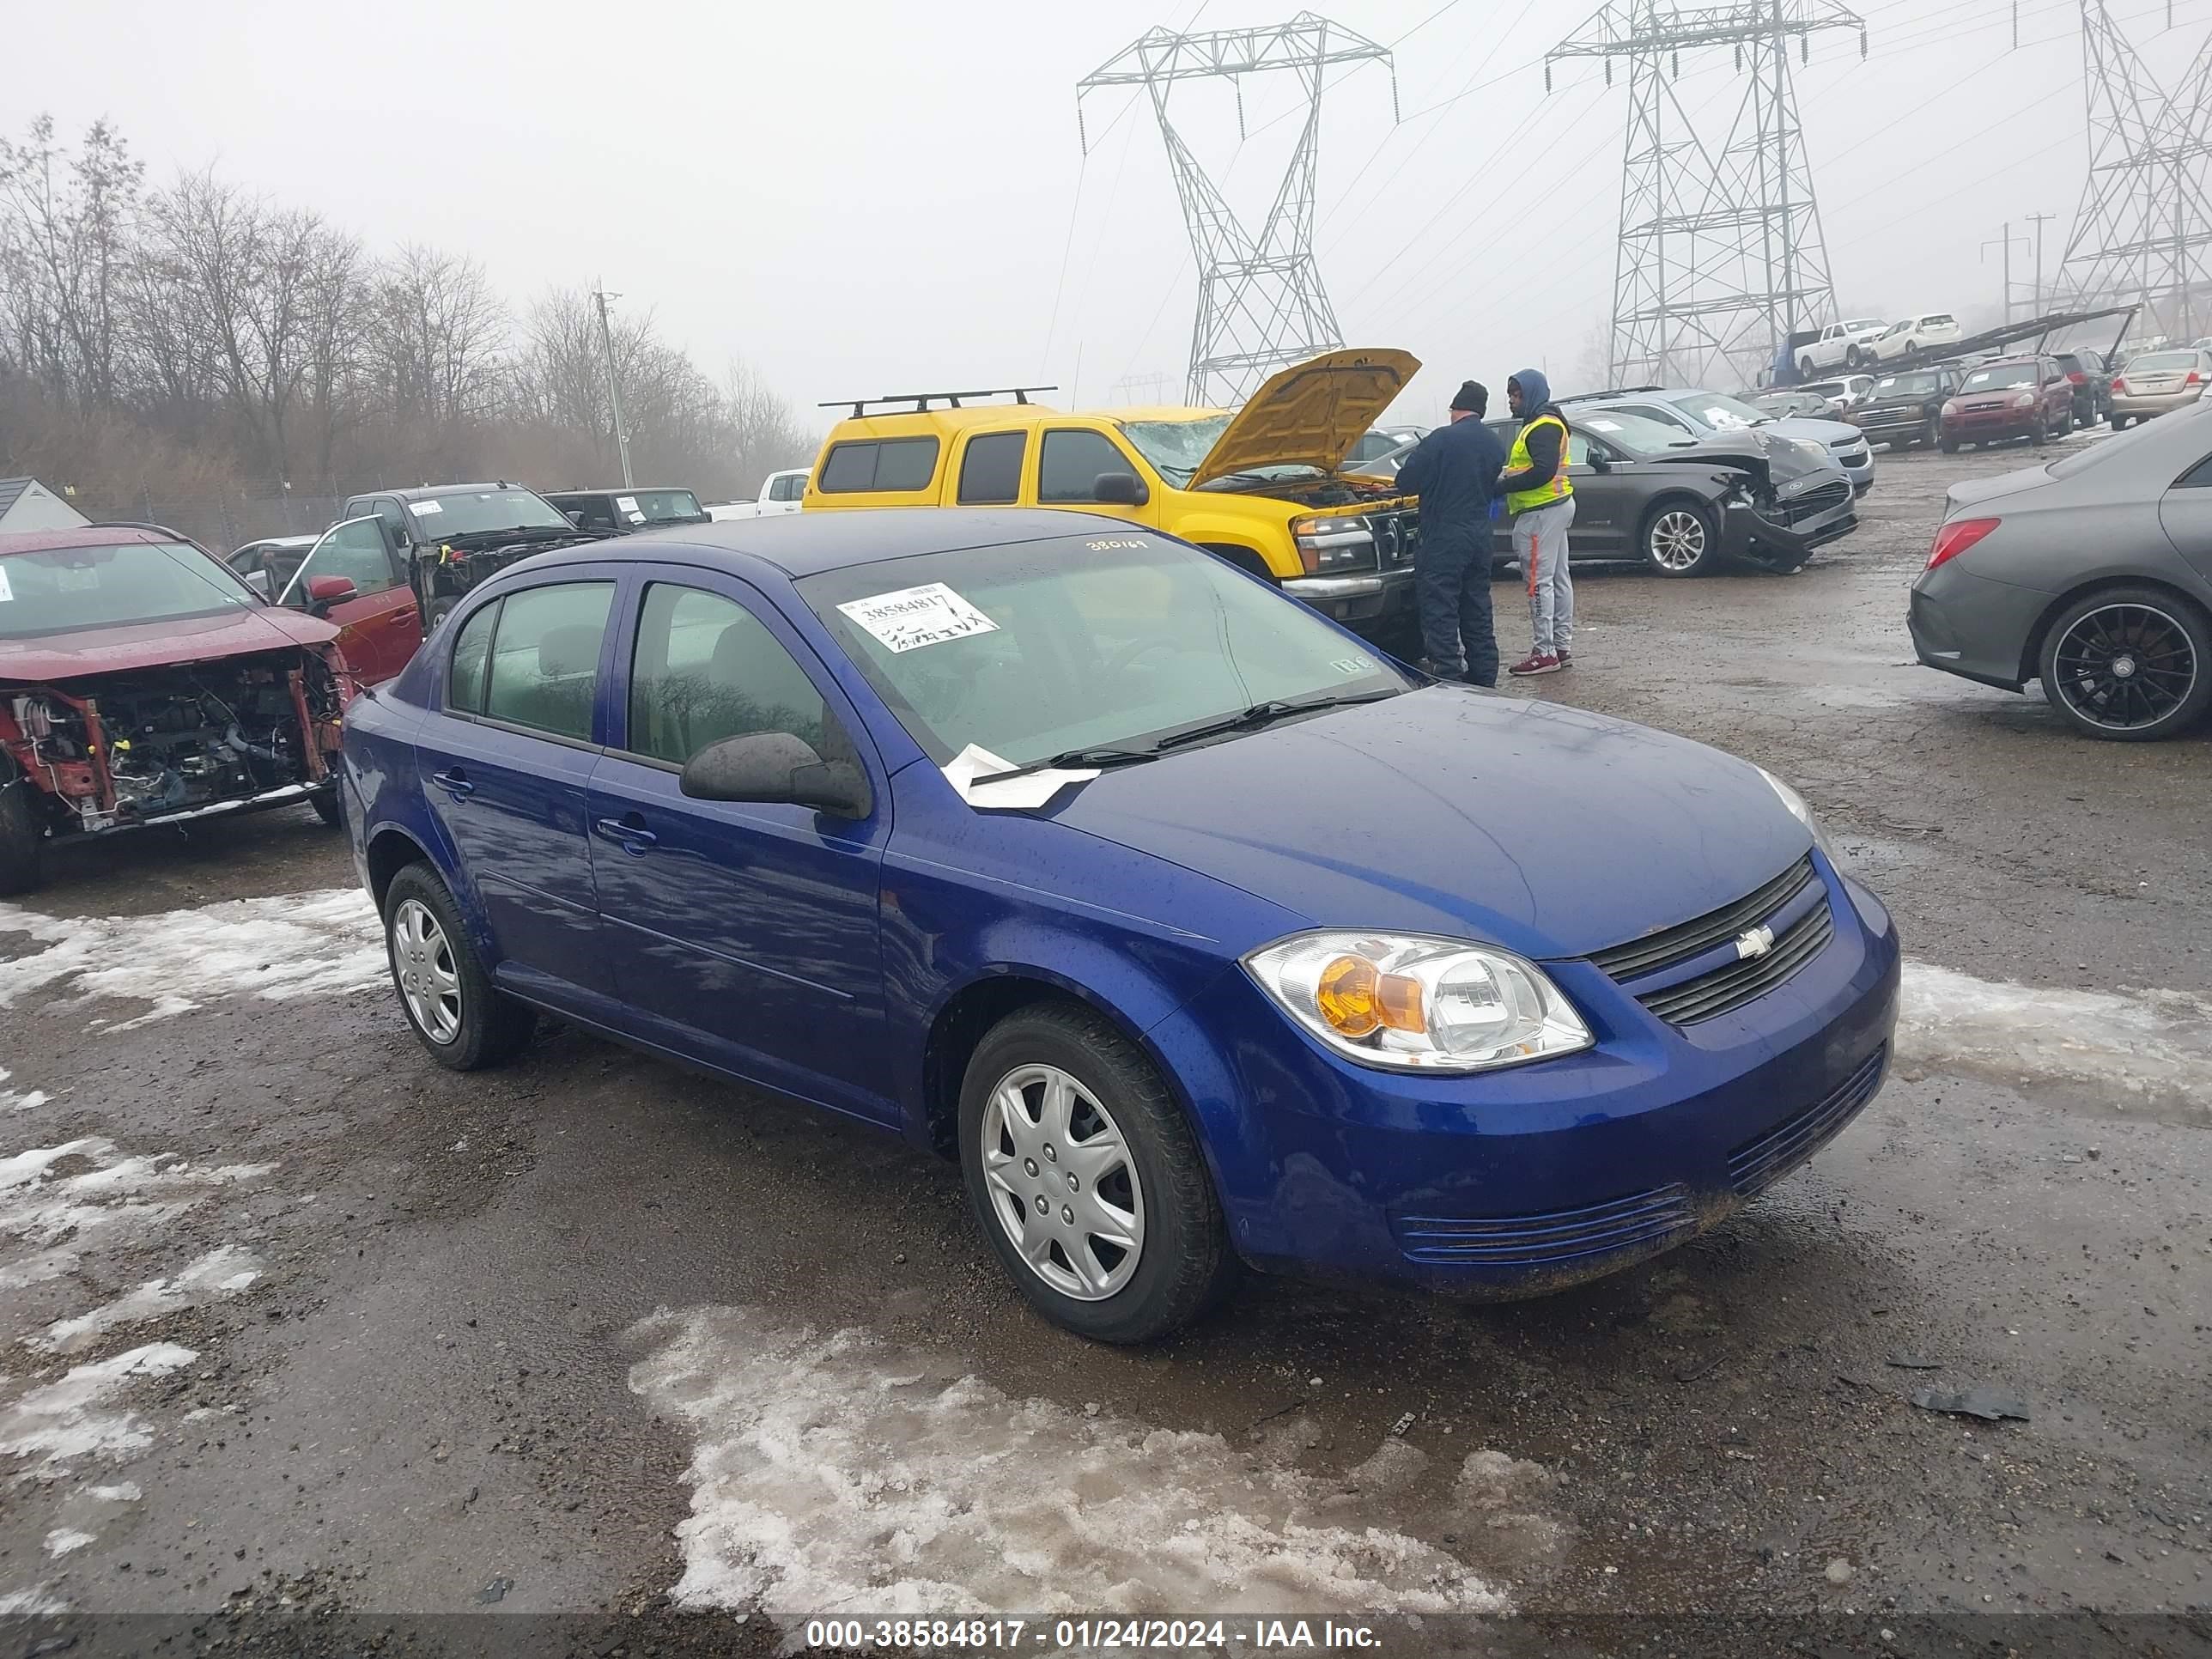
[(293, 1320)]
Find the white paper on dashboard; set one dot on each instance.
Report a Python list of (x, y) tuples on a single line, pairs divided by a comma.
[(914, 616), (1025, 793)]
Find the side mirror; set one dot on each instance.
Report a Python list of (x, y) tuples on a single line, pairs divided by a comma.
[(1120, 489), (324, 591), (1599, 463), (776, 768), (575, 516)]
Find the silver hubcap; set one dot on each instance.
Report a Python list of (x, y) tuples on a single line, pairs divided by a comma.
[(422, 960), (1062, 1183), (1678, 541)]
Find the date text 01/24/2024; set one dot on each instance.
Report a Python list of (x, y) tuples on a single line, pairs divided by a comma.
[(936, 1635)]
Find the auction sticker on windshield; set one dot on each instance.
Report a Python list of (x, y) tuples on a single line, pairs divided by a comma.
[(913, 617), (431, 505)]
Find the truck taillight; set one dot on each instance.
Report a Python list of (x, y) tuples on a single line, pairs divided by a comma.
[(1956, 537)]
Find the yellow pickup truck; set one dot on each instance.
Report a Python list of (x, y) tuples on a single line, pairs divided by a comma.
[(1262, 487)]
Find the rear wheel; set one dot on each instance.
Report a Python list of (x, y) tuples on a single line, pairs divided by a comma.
[(23, 837), (464, 1020), (2131, 664), (2118, 423), (1679, 539), (1086, 1181), (1805, 367)]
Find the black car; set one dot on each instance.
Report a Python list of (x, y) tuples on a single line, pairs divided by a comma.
[(1906, 407), (2093, 385), (453, 536), (1644, 492), (619, 512)]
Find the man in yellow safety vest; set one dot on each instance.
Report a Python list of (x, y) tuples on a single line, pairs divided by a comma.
[(1541, 499)]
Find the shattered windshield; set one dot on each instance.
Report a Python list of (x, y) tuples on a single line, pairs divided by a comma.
[(471, 512), (1176, 449)]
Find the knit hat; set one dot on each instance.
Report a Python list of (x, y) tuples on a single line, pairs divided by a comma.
[(1472, 397)]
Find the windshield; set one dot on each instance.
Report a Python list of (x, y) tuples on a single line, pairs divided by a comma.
[(1907, 385), (660, 505), (1997, 376), (58, 589), (1718, 410), (1177, 448), (1634, 435), (470, 512), (1078, 642), (2170, 363), (1863, 323)]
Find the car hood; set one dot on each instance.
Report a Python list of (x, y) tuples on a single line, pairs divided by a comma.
[(1542, 828), (1309, 413), (1899, 401), (1764, 452), (159, 645), (1826, 433)]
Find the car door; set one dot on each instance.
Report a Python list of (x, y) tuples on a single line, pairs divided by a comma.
[(1070, 462), (1608, 498), (506, 759), (748, 934), (379, 627), (2185, 512)]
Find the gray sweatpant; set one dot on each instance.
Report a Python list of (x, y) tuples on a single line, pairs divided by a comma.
[(1539, 542)]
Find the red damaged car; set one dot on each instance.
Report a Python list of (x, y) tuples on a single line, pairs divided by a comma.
[(142, 683)]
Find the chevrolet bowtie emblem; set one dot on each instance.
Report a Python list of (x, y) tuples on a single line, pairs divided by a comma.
[(1756, 943)]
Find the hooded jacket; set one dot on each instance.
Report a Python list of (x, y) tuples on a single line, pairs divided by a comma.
[(1547, 449)]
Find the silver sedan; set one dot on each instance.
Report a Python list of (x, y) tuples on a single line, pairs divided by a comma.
[(2092, 574), (2158, 383)]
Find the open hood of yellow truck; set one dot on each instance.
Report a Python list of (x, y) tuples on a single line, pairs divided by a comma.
[(1311, 413)]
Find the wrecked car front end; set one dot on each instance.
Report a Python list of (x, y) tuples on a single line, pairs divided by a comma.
[(1784, 497)]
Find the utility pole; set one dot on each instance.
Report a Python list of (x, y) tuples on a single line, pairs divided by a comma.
[(614, 397), (2005, 241), (2038, 220)]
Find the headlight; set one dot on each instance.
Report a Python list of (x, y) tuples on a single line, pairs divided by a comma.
[(1798, 810), (2026, 400), (1328, 544), (1411, 1003)]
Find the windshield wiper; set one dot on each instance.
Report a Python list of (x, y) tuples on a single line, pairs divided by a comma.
[(1084, 759), (1262, 714)]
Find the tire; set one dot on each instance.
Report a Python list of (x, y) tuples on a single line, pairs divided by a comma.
[(1948, 446), (2039, 433), (2118, 423), (1852, 358), (1680, 538), (1932, 434), (480, 1025), (440, 608), (2130, 665), (1807, 368), (23, 837), (330, 804), (1161, 1195)]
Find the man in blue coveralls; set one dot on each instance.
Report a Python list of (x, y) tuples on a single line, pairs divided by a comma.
[(1455, 471)]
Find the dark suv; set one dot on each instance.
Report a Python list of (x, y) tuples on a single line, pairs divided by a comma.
[(2093, 385), (1906, 407), (619, 512), (2025, 397), (453, 536)]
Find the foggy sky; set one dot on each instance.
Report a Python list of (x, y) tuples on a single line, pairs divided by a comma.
[(862, 199)]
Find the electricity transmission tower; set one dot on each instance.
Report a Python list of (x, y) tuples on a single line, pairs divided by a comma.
[(1720, 255), (2145, 222), (1261, 303)]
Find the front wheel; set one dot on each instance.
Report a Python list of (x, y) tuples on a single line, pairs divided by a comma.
[(1085, 1180), (1948, 446), (1679, 539), (330, 804), (464, 1020), (1932, 434), (2131, 663), (23, 837), (1807, 368)]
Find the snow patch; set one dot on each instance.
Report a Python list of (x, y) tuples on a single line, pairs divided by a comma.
[(62, 1540), (11, 1101), (69, 1419), (2147, 1042), (833, 1474), (33, 1603), (222, 1272), (117, 1198), (288, 945)]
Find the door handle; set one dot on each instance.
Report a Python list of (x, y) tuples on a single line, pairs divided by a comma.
[(630, 836), (455, 783)]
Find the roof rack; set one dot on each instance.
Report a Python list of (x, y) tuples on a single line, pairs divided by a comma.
[(1617, 391), (922, 400)]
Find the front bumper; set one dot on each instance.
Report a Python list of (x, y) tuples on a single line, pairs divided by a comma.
[(1534, 1179), (1991, 425), (1889, 425), (1365, 597)]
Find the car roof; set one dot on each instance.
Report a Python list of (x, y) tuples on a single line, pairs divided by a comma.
[(89, 535), (614, 489), (424, 492), (277, 541), (807, 543)]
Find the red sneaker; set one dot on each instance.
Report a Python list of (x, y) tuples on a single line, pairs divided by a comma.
[(1537, 662), (1566, 657)]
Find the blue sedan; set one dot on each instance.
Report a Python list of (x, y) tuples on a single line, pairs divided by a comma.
[(1200, 936)]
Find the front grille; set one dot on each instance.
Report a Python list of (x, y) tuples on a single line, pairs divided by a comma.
[(1710, 995), (1814, 502), (1765, 1159), (1669, 946), (1548, 1238), (1397, 533)]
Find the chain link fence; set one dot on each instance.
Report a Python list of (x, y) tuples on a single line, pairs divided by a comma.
[(217, 519)]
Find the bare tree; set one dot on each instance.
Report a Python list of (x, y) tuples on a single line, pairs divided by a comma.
[(439, 331), (64, 247)]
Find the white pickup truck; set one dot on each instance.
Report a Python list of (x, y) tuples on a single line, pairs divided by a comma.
[(779, 493), (1842, 345)]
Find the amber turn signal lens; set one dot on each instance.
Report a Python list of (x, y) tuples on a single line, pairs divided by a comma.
[(1398, 1000), (1346, 996)]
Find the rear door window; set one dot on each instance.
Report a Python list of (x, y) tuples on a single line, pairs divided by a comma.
[(879, 464), (545, 657), (991, 469)]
